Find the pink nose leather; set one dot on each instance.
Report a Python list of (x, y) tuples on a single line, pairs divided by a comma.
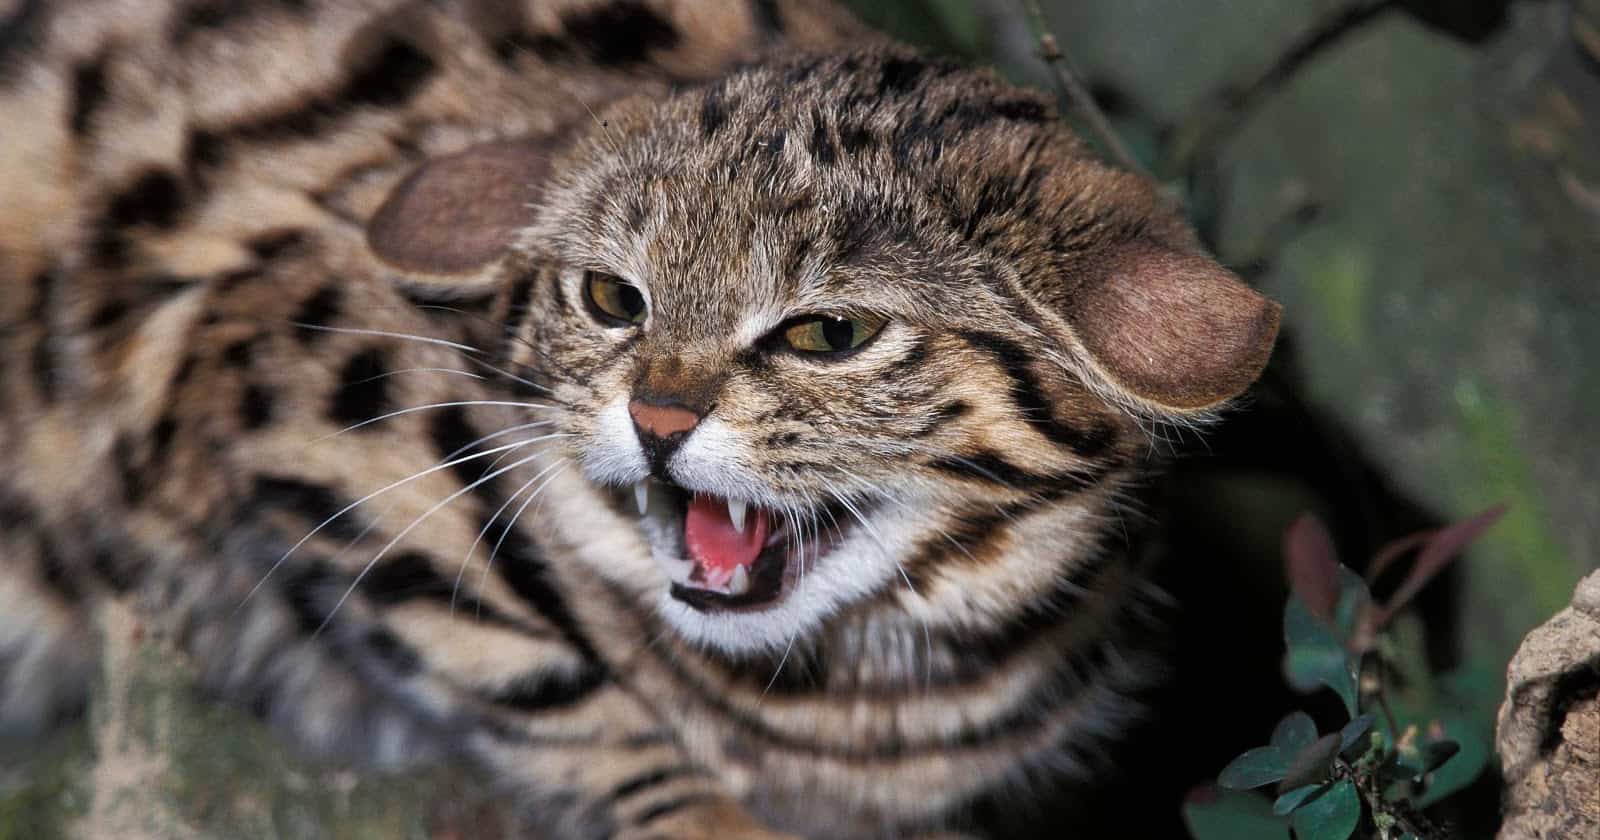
[(662, 420)]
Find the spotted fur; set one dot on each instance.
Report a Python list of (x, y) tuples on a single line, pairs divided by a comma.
[(297, 357)]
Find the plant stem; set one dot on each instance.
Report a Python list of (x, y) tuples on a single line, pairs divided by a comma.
[(1403, 815), (1078, 99)]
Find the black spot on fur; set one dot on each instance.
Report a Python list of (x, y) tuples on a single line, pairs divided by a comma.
[(713, 111), (19, 33), (56, 575), (620, 33), (767, 17), (391, 78), (211, 15), (855, 138), (109, 313), (545, 691), (668, 808), (240, 353), (318, 310), (363, 391), (155, 198), (899, 75), (402, 577), (161, 437), (88, 93), (821, 146), (255, 407), (273, 245), (398, 655), (650, 779), (316, 503)]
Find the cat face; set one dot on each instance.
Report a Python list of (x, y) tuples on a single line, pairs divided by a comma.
[(805, 328)]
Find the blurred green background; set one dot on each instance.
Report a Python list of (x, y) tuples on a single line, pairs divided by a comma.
[(1419, 186)]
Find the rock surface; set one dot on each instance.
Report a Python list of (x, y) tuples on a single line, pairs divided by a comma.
[(1549, 736)]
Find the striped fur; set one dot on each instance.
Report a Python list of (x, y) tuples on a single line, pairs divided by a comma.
[(385, 505)]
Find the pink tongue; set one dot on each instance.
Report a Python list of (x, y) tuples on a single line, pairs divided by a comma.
[(713, 542)]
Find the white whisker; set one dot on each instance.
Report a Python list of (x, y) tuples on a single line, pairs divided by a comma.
[(414, 523), (358, 502), (417, 408)]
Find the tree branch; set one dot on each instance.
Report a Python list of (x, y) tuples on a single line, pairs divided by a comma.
[(1082, 105)]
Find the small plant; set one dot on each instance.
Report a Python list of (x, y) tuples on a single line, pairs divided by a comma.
[(1406, 742)]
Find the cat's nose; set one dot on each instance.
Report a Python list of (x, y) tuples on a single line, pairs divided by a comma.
[(662, 421)]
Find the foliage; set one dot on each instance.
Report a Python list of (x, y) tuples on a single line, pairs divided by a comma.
[(1405, 742)]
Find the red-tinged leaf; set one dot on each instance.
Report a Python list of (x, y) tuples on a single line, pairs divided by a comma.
[(1444, 546), (1313, 565), (1394, 551)]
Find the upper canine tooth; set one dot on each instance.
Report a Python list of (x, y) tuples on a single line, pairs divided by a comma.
[(736, 511), (641, 495)]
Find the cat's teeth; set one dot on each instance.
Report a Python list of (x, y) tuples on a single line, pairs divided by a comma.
[(740, 583), (736, 511), (641, 495)]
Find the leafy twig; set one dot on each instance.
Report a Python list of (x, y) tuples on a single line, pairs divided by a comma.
[(1077, 96), (1211, 121), (1397, 813)]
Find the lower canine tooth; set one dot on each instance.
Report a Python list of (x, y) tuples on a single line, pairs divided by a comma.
[(641, 495), (740, 583)]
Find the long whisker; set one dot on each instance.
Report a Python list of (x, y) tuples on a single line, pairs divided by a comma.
[(427, 407), (387, 374), (358, 502), (409, 528), (466, 559), (389, 334), (489, 564)]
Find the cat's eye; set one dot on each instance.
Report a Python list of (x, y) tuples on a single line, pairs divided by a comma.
[(828, 334), (612, 300)]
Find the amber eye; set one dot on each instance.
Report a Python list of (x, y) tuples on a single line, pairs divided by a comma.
[(613, 301), (830, 334)]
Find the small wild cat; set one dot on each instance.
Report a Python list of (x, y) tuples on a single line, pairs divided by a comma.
[(707, 416)]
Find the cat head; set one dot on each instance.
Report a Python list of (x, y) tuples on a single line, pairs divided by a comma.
[(863, 329)]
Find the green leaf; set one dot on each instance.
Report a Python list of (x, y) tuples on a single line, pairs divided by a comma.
[(1295, 798), (1461, 768), (1213, 814), (1294, 733), (1354, 599), (1355, 732), (1311, 765), (1317, 657), (1260, 766), (1331, 816)]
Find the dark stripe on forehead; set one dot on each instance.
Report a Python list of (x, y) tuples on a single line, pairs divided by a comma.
[(1028, 395)]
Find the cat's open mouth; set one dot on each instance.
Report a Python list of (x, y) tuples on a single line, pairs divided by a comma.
[(725, 554)]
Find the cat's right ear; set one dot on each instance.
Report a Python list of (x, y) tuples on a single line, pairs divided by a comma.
[(1170, 330), (455, 215)]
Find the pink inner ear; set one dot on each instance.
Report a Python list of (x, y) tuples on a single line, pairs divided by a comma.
[(455, 214), (1175, 329)]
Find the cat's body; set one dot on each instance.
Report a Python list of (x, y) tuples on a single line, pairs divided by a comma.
[(214, 240)]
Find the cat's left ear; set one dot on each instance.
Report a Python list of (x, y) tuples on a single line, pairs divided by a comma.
[(448, 221), (1175, 331)]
